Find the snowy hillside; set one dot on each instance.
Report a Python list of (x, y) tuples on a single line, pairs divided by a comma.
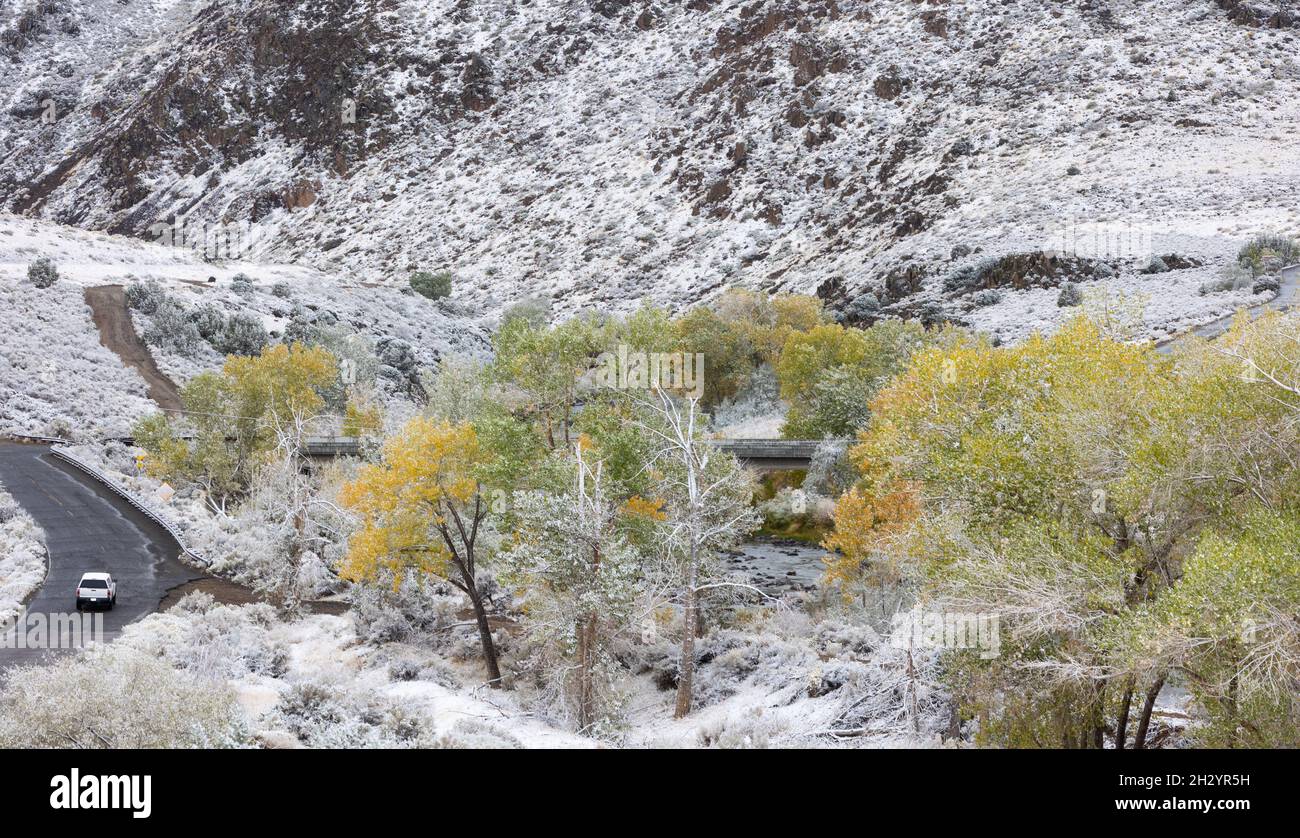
[(602, 151), (56, 378)]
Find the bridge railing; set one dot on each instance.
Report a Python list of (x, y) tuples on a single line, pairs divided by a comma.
[(139, 505)]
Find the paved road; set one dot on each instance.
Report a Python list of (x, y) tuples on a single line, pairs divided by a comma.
[(87, 528), (1289, 278)]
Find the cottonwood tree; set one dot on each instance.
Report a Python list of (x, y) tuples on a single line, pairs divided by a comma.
[(1058, 484), (547, 364), (233, 419), (424, 511), (286, 499), (579, 573), (707, 507)]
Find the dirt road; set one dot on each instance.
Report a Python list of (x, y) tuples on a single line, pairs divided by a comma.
[(113, 319)]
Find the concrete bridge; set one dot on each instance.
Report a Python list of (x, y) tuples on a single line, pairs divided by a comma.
[(761, 454)]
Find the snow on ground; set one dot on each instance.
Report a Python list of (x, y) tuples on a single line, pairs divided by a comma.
[(22, 557), (272, 664), (55, 376), (1170, 302)]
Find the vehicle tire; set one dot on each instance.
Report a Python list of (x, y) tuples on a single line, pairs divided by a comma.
[(78, 607)]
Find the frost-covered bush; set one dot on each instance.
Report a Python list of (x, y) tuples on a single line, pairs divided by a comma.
[(171, 329), (242, 285), (117, 698), (1266, 285), (756, 411), (435, 286), (732, 659), (243, 334), (987, 297), (1269, 254), (1071, 295), (322, 715), (415, 610), (145, 297), (1231, 278), (209, 320), (536, 311), (282, 290), (971, 276), (1157, 265), (478, 736), (42, 273), (753, 729), (862, 307)]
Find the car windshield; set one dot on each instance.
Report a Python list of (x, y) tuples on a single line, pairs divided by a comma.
[(93, 583)]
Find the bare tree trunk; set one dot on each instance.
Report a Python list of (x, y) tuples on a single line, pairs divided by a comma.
[(1121, 727), (586, 672), (485, 637), (687, 676), (1140, 738)]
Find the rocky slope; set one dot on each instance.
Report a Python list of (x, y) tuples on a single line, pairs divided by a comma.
[(601, 150)]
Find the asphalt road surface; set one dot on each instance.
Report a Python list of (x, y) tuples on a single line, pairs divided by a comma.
[(88, 528)]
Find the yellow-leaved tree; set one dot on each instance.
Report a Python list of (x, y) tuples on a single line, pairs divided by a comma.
[(423, 511), (233, 420)]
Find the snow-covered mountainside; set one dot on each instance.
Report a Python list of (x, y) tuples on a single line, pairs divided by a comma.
[(601, 150)]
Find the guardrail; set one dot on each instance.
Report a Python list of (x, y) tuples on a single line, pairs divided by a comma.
[(43, 440), (138, 505)]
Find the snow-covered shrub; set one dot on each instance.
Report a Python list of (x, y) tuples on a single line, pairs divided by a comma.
[(475, 735), (117, 698), (1157, 265), (536, 311), (970, 276), (862, 307), (1071, 295), (1266, 285), (752, 729), (42, 272), (756, 411), (731, 659), (987, 297), (415, 610), (145, 297), (170, 329), (435, 286), (209, 320), (242, 285), (1269, 254), (282, 290), (322, 715), (1231, 278), (22, 557), (243, 334)]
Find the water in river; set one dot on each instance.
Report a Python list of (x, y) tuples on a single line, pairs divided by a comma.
[(778, 566)]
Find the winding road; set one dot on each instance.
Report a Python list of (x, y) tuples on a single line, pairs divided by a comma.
[(1288, 278), (88, 528)]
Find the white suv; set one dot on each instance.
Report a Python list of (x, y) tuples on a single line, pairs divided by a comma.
[(96, 589)]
